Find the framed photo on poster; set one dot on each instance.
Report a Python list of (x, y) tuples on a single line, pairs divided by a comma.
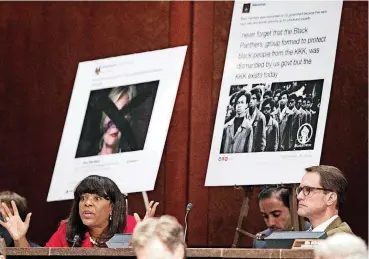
[(275, 91), (117, 121)]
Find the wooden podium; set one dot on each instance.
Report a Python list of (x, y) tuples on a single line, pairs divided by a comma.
[(98, 253)]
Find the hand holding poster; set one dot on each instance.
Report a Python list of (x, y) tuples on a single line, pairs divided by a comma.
[(275, 92), (118, 120)]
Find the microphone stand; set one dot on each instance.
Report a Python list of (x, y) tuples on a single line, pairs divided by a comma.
[(185, 230), (75, 239)]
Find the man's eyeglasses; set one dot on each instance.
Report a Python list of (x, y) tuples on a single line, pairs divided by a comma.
[(307, 189)]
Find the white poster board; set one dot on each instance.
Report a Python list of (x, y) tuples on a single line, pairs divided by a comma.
[(275, 92), (117, 121)]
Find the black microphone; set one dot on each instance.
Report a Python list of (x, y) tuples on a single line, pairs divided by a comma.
[(188, 209), (75, 239)]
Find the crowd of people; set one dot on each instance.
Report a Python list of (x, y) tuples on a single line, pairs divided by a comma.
[(99, 212), (277, 117)]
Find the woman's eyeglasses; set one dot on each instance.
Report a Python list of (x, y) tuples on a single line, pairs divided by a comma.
[(307, 189)]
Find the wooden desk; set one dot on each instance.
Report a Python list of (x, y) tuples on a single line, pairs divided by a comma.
[(191, 253)]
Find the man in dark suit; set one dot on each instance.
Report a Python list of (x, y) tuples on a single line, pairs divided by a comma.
[(306, 109), (274, 207), (257, 120), (276, 95), (272, 127), (284, 117), (303, 114), (296, 122), (320, 197), (237, 133)]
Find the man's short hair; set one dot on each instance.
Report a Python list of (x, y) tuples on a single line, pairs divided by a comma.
[(266, 102), (292, 96), (21, 202), (282, 194), (278, 91), (257, 92), (342, 245), (285, 92), (166, 229), (331, 178), (267, 94), (242, 93)]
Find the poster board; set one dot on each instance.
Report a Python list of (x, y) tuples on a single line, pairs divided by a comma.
[(117, 121), (280, 58)]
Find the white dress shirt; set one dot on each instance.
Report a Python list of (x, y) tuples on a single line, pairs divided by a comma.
[(322, 227)]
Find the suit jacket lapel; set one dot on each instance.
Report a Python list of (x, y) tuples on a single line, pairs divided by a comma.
[(336, 223)]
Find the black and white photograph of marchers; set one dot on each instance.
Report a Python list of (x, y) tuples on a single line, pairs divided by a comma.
[(281, 116)]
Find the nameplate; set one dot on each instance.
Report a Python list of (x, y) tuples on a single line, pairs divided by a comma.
[(305, 243)]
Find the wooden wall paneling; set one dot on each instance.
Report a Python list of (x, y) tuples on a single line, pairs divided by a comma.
[(346, 135), (200, 120), (178, 135), (31, 109), (224, 202), (41, 47)]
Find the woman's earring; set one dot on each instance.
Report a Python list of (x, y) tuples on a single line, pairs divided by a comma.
[(110, 216)]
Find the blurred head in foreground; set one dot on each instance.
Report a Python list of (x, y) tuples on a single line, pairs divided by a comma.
[(341, 246), (159, 238)]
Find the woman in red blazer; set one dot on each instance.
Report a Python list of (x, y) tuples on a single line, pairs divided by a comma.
[(98, 212)]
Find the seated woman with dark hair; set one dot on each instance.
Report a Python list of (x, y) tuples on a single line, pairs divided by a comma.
[(98, 212)]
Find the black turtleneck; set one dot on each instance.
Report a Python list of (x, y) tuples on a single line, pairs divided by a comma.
[(237, 122)]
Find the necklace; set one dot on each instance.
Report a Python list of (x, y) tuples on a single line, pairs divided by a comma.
[(93, 241), (98, 242)]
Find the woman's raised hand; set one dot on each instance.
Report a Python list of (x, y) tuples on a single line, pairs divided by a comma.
[(13, 222), (150, 211)]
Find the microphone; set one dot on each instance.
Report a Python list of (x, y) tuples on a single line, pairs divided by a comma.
[(188, 209), (257, 236), (75, 239)]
